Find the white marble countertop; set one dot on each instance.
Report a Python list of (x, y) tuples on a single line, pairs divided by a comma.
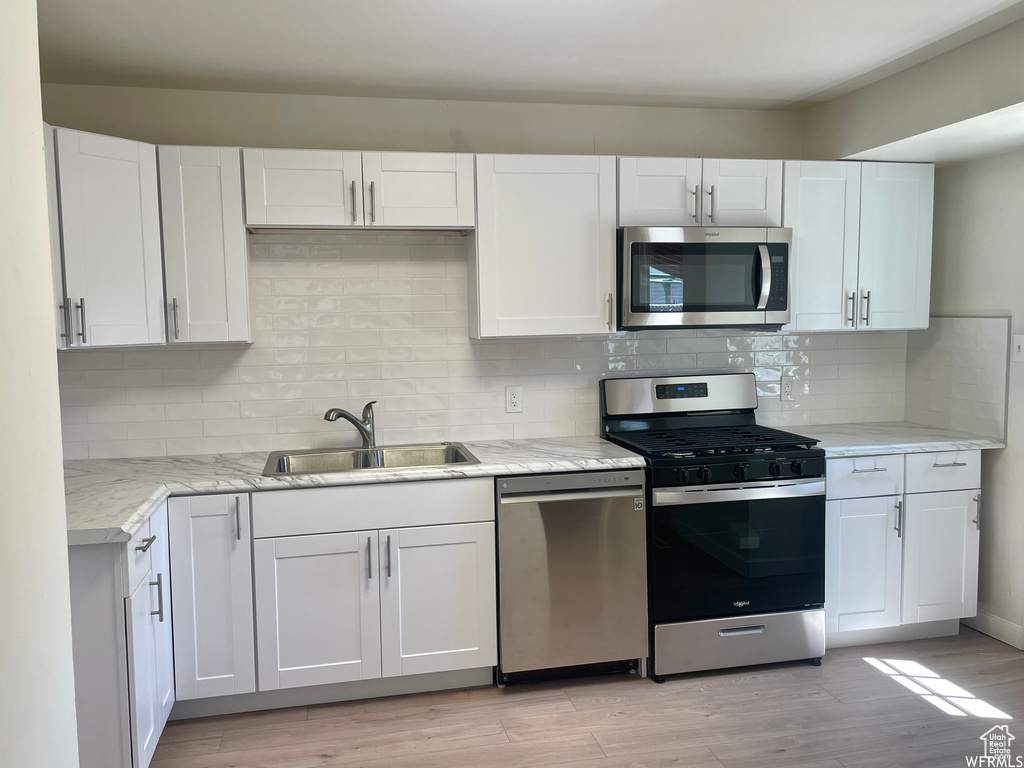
[(108, 499)]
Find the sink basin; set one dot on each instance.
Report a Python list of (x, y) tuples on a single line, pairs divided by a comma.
[(355, 459)]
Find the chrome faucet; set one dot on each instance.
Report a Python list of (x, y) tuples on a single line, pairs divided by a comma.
[(365, 426)]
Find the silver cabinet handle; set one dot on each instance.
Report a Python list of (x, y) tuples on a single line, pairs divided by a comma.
[(977, 511), (369, 559), (865, 471), (82, 333), (766, 277), (159, 584), (610, 311), (65, 313), (174, 315), (238, 518), (936, 465), (352, 186), (373, 204), (751, 629), (389, 556), (899, 519), (711, 207), (867, 308), (851, 298), (146, 544), (696, 201)]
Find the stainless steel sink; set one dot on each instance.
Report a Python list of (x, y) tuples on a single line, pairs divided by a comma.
[(355, 459)]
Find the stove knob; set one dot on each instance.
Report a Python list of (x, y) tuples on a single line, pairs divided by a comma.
[(741, 471), (775, 469), (704, 474), (682, 476), (797, 468)]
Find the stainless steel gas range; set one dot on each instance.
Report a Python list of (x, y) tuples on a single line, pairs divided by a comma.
[(735, 523)]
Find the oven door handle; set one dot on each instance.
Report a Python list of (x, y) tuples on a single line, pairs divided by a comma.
[(666, 497), (766, 277)]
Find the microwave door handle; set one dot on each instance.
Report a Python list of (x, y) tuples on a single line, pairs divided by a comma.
[(766, 277)]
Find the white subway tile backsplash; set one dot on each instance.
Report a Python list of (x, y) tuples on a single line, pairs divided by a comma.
[(340, 319)]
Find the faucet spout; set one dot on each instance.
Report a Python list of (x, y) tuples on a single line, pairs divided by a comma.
[(364, 425)]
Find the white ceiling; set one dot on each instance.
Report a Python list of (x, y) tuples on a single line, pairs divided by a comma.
[(722, 53)]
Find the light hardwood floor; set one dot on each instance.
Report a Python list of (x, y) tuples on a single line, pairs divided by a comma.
[(842, 714)]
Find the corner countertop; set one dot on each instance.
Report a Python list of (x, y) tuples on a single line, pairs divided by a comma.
[(109, 499)]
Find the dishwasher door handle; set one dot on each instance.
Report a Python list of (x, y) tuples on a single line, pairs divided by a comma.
[(581, 495)]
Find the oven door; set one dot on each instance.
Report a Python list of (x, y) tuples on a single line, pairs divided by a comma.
[(692, 276), (716, 551)]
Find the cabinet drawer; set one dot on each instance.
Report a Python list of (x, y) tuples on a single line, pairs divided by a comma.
[(139, 556), (944, 471), (862, 476), (366, 507)]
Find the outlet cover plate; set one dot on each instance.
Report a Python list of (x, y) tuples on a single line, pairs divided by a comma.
[(786, 389), (1018, 348), (513, 399)]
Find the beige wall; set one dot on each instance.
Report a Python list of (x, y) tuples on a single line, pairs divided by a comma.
[(978, 268), (37, 705), (978, 77), (332, 122)]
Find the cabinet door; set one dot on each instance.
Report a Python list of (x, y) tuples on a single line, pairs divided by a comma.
[(110, 220), (214, 644), (317, 609), (659, 191), (895, 245), (862, 564), (742, 193), (302, 187), (940, 556), (163, 634), (205, 260), (62, 316), (418, 189), (822, 206), (545, 245), (437, 599), (143, 687)]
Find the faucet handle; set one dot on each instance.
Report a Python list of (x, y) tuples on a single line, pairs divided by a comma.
[(368, 410)]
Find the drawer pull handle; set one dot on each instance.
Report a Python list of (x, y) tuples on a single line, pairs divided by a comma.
[(950, 464), (874, 469), (146, 544), (750, 629)]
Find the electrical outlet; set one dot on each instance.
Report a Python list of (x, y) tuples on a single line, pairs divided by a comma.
[(786, 390), (513, 399), (1018, 349)]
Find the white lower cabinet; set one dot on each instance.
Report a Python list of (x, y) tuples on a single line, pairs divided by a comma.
[(437, 598), (940, 556), (863, 559), (214, 646), (317, 609)]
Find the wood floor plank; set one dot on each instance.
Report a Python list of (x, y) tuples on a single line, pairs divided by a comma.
[(198, 728), (170, 750), (468, 696), (342, 749)]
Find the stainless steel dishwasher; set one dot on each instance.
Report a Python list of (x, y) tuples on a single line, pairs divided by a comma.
[(572, 570)]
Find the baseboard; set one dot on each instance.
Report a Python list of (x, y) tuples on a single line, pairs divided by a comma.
[(920, 631), (1000, 629), (323, 694)]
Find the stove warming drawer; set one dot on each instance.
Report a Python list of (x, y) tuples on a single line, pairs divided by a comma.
[(765, 638)]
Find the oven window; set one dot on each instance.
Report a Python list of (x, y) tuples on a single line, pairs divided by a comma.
[(692, 277), (734, 558)]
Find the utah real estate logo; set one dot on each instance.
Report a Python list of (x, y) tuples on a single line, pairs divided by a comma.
[(998, 752)]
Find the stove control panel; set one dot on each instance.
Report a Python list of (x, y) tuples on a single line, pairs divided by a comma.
[(727, 469)]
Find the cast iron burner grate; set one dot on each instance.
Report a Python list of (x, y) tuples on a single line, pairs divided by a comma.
[(711, 440)]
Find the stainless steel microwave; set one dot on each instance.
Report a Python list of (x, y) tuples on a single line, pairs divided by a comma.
[(687, 277)]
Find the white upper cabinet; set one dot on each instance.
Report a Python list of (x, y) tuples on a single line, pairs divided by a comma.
[(940, 556), (742, 193), (659, 191), (418, 189), (545, 246), (214, 643), (437, 598), (205, 258), (895, 245), (823, 210), (110, 223), (303, 188)]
